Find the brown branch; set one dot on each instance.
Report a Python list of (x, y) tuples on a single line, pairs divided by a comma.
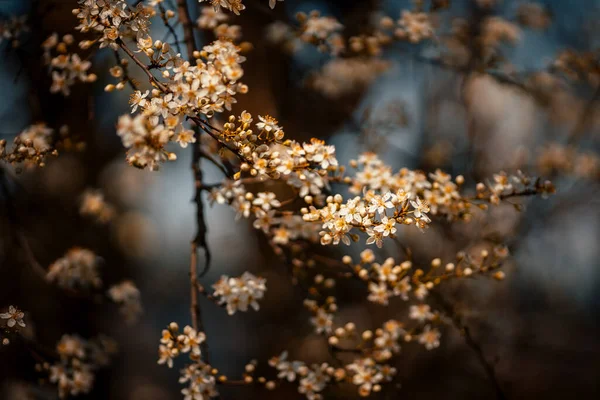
[(188, 31), (202, 290), (163, 16), (523, 193), (151, 77), (37, 268), (336, 348), (225, 168), (199, 121), (14, 224), (194, 307), (125, 68), (200, 238), (206, 127), (222, 167), (195, 310), (201, 232)]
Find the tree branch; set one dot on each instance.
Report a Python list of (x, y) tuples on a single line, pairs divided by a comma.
[(188, 31), (151, 77), (199, 239), (163, 16)]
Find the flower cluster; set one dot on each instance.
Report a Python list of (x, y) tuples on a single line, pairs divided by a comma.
[(66, 68), (145, 141), (392, 279), (239, 293), (204, 88), (111, 19), (492, 34), (282, 227), (556, 157), (578, 66), (94, 205), (385, 341), (201, 381), (174, 343), (374, 214), (234, 6), (385, 280), (11, 30), (387, 199), (534, 15), (370, 371), (414, 27), (504, 186), (311, 379), (199, 376), (78, 268), (211, 17), (281, 34), (265, 155), (216, 21), (497, 30), (74, 372), (287, 370), (367, 375), (323, 32), (343, 76), (31, 146), (127, 295)]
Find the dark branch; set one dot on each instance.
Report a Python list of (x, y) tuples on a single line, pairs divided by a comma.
[(471, 342)]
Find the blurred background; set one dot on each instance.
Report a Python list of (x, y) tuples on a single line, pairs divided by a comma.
[(539, 328)]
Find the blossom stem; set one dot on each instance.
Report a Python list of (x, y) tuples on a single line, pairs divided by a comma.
[(201, 122), (151, 77), (222, 167), (126, 76), (202, 290), (163, 16)]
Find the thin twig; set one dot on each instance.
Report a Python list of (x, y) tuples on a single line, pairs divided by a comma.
[(12, 217), (471, 342), (151, 77), (126, 76), (222, 167), (206, 127), (200, 238), (202, 290), (163, 15)]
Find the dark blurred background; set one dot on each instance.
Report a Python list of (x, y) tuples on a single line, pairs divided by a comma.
[(539, 328)]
